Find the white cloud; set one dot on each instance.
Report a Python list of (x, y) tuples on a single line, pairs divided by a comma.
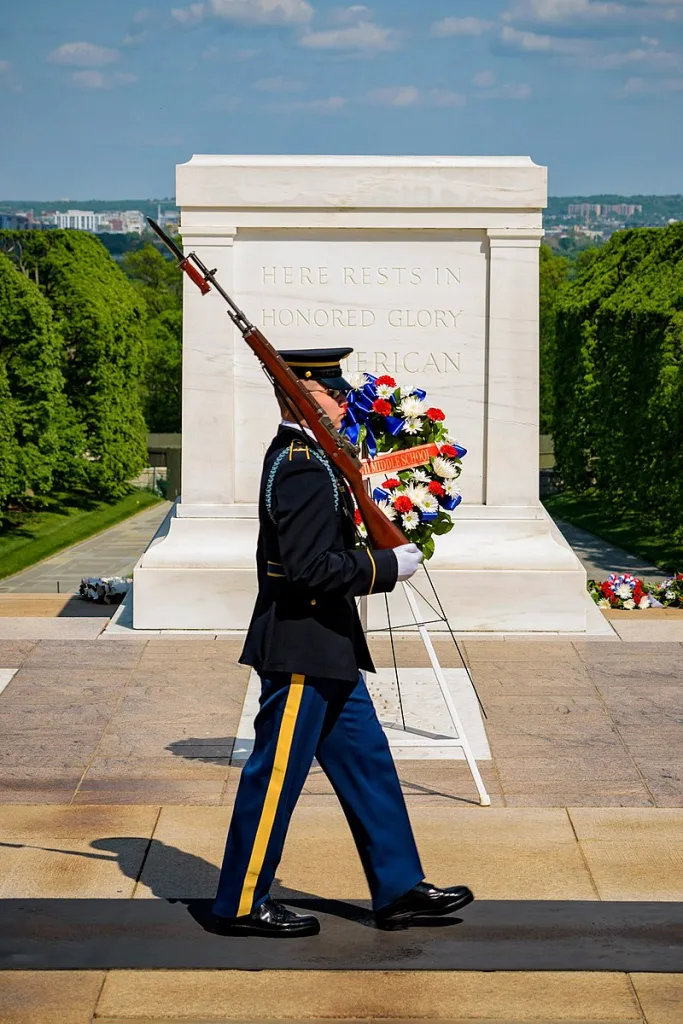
[(395, 96), (344, 15), (411, 96), (445, 98), (97, 80), (226, 103), (460, 27), (248, 12), (143, 14), (636, 87), (652, 59), (83, 55), (550, 11), (484, 79), (509, 91), (277, 84), (331, 105), (365, 36), (532, 42), (4, 66), (189, 15), (134, 38)]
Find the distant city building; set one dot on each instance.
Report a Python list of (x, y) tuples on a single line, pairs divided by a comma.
[(584, 210), (597, 210), (78, 220), (623, 209), (17, 220)]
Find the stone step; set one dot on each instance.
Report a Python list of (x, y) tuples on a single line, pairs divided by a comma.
[(231, 996)]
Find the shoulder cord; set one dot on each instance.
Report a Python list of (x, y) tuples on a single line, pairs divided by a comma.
[(276, 465)]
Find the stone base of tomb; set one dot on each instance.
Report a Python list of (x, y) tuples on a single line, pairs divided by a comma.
[(501, 570)]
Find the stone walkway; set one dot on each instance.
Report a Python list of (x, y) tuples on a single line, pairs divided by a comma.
[(113, 552), (117, 783), (600, 558)]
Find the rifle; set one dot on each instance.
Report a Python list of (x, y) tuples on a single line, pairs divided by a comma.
[(343, 455)]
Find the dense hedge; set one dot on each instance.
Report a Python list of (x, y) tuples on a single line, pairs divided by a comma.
[(98, 328), (618, 408)]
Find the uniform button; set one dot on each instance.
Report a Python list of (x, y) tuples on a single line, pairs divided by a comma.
[(314, 601)]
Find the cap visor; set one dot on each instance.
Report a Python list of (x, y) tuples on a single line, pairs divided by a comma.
[(337, 383)]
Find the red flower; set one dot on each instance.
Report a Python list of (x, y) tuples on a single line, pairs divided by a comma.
[(436, 414), (436, 488), (357, 518), (389, 485), (449, 451), (382, 407), (389, 381), (403, 503)]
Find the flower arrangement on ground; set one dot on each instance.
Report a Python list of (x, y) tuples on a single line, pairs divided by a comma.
[(621, 591), (384, 417), (669, 593), (104, 589)]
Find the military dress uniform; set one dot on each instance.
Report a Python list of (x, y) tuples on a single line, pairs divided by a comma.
[(307, 644)]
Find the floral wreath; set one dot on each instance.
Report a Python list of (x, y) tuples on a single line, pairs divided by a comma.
[(384, 417), (630, 592)]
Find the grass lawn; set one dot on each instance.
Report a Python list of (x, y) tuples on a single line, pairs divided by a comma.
[(29, 537), (630, 531)]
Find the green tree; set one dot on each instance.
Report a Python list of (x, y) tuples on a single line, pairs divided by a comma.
[(159, 283), (157, 279), (101, 318), (163, 372), (50, 443), (10, 479), (553, 279)]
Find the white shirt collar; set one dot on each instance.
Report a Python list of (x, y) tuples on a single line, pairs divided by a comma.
[(295, 426)]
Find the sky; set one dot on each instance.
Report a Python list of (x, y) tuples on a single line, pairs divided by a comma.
[(101, 99)]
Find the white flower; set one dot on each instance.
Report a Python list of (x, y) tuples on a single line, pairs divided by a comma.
[(416, 492), (388, 509), (420, 477), (412, 426), (357, 380), (624, 591), (444, 468), (670, 595), (412, 407), (604, 603), (644, 602), (362, 530), (385, 391), (429, 504), (451, 488), (630, 604), (411, 520)]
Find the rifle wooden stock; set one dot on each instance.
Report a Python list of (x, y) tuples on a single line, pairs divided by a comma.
[(382, 533)]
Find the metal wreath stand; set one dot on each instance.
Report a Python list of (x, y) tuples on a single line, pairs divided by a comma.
[(460, 740)]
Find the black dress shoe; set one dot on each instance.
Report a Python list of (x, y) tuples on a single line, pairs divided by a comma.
[(270, 918), (424, 900)]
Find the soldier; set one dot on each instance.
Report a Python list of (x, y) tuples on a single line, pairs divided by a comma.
[(306, 642)]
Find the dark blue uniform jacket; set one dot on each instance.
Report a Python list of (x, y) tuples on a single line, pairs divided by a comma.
[(309, 571)]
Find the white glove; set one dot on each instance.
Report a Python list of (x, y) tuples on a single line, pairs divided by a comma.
[(408, 557)]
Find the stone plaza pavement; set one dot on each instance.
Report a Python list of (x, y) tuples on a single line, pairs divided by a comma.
[(116, 786)]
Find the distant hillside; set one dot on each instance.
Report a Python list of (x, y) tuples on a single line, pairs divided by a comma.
[(149, 207), (656, 209)]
